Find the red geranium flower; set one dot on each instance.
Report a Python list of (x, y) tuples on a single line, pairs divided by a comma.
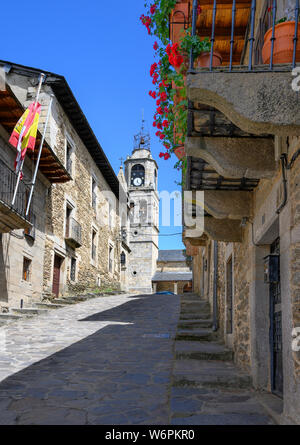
[(163, 96), (162, 136), (167, 156), (165, 123), (153, 68), (161, 155), (153, 8), (159, 126), (158, 102), (155, 46), (159, 111)]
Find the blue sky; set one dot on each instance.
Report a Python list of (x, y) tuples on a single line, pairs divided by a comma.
[(105, 54)]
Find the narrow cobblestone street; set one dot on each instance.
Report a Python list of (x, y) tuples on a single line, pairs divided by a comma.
[(110, 361)]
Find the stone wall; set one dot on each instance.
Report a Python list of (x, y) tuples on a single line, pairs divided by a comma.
[(169, 286), (242, 273), (15, 246), (77, 194), (294, 192)]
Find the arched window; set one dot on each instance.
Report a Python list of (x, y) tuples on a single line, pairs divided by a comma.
[(155, 179), (137, 175)]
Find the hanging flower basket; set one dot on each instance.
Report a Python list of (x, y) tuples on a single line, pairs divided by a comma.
[(283, 44)]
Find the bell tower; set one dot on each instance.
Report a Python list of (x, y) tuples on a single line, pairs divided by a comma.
[(141, 178)]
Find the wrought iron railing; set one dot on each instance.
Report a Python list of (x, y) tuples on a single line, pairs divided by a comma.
[(8, 180), (250, 37), (74, 231)]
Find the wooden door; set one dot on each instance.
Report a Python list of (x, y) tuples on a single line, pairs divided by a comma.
[(56, 274)]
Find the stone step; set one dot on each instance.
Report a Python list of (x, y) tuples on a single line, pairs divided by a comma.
[(49, 305), (188, 315), (195, 307), (28, 311), (10, 317), (196, 335), (202, 351), (65, 301), (193, 300), (214, 374), (195, 323)]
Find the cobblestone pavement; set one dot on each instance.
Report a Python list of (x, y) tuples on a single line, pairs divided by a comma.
[(114, 360), (104, 361)]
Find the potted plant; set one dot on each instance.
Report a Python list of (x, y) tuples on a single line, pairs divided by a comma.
[(284, 39), (201, 49)]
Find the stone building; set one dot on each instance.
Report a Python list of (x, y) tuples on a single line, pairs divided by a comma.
[(243, 150), (142, 180), (76, 211), (174, 272)]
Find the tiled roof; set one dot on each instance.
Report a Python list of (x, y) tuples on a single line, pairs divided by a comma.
[(173, 276), (172, 255)]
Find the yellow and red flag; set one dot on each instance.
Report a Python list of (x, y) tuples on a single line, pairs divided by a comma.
[(24, 133)]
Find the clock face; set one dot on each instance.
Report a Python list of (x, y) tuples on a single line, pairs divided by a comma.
[(137, 182)]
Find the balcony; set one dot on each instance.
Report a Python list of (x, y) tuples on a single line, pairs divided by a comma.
[(12, 218), (255, 97), (240, 110), (73, 233)]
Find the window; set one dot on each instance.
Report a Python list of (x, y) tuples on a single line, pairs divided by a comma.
[(69, 158), (73, 269), (110, 259), (94, 245), (26, 269), (68, 217), (94, 194), (155, 179)]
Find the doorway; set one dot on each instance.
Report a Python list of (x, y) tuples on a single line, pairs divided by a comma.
[(276, 329), (56, 274)]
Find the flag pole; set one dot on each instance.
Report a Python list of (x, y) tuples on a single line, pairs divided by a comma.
[(41, 80), (39, 155)]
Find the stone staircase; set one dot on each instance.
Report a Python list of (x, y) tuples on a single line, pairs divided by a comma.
[(207, 388), (16, 314)]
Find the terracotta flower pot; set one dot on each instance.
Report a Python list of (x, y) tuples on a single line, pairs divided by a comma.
[(283, 44), (204, 59), (179, 152)]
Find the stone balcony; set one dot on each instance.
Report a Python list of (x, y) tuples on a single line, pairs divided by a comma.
[(73, 233), (258, 101)]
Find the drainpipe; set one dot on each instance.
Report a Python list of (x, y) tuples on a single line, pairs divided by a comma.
[(215, 295)]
